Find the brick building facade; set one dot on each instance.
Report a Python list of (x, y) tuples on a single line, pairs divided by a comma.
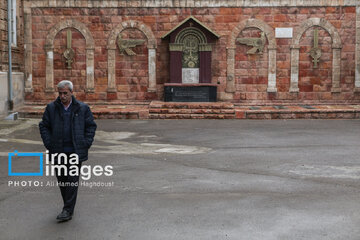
[(283, 73), (17, 54)]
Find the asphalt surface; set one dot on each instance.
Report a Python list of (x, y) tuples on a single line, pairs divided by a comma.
[(193, 179)]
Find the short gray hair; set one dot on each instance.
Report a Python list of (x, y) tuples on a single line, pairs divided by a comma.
[(65, 83)]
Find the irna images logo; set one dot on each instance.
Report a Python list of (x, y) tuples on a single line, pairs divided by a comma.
[(59, 164), (15, 154)]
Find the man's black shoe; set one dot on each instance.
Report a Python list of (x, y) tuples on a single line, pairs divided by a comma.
[(64, 216)]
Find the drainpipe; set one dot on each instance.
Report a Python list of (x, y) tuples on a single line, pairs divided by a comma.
[(10, 86)]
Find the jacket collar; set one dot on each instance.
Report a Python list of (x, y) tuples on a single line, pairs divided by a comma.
[(74, 103)]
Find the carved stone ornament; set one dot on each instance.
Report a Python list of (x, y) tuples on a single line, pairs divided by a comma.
[(258, 44), (69, 53), (315, 52), (191, 52), (190, 38), (125, 45)]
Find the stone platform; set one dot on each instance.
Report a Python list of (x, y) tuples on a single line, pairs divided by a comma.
[(114, 110), (218, 110)]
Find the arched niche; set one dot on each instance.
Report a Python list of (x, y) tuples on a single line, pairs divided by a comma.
[(270, 35), (336, 48), (111, 47), (190, 46), (49, 48)]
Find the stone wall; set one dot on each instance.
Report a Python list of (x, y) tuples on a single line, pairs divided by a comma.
[(17, 58), (283, 73), (18, 50)]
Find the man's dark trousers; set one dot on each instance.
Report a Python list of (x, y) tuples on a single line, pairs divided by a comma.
[(68, 186)]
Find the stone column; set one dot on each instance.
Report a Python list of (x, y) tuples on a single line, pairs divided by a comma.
[(152, 69), (49, 82), (272, 71), (230, 80), (111, 70), (28, 49), (294, 81), (336, 70), (89, 70), (357, 50)]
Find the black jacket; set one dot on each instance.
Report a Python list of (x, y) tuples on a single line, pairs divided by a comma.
[(83, 127)]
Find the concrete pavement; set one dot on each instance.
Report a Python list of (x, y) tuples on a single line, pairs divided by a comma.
[(196, 179)]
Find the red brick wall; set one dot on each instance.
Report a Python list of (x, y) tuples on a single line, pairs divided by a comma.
[(251, 71), (283, 63), (132, 71)]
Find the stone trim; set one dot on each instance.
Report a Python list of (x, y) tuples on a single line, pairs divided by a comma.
[(190, 3), (294, 76), (193, 31), (49, 48), (111, 46), (28, 51), (295, 47), (152, 69), (177, 47), (230, 76), (205, 48), (195, 20), (357, 50), (270, 35)]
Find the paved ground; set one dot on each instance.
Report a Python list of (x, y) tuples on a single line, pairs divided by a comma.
[(196, 179)]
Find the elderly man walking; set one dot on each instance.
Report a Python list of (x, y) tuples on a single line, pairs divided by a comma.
[(67, 127)]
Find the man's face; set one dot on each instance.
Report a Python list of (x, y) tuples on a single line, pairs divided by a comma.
[(65, 95)]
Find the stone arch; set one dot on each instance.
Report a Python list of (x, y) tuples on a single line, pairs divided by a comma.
[(151, 45), (191, 31), (270, 35), (295, 47), (49, 48)]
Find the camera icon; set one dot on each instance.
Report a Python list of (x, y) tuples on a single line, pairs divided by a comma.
[(11, 156)]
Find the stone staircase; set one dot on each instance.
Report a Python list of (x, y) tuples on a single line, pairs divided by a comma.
[(179, 110), (204, 110)]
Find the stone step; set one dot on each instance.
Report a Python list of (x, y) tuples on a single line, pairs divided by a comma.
[(191, 105), (99, 111), (191, 116), (186, 110), (190, 111), (165, 110), (299, 112)]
